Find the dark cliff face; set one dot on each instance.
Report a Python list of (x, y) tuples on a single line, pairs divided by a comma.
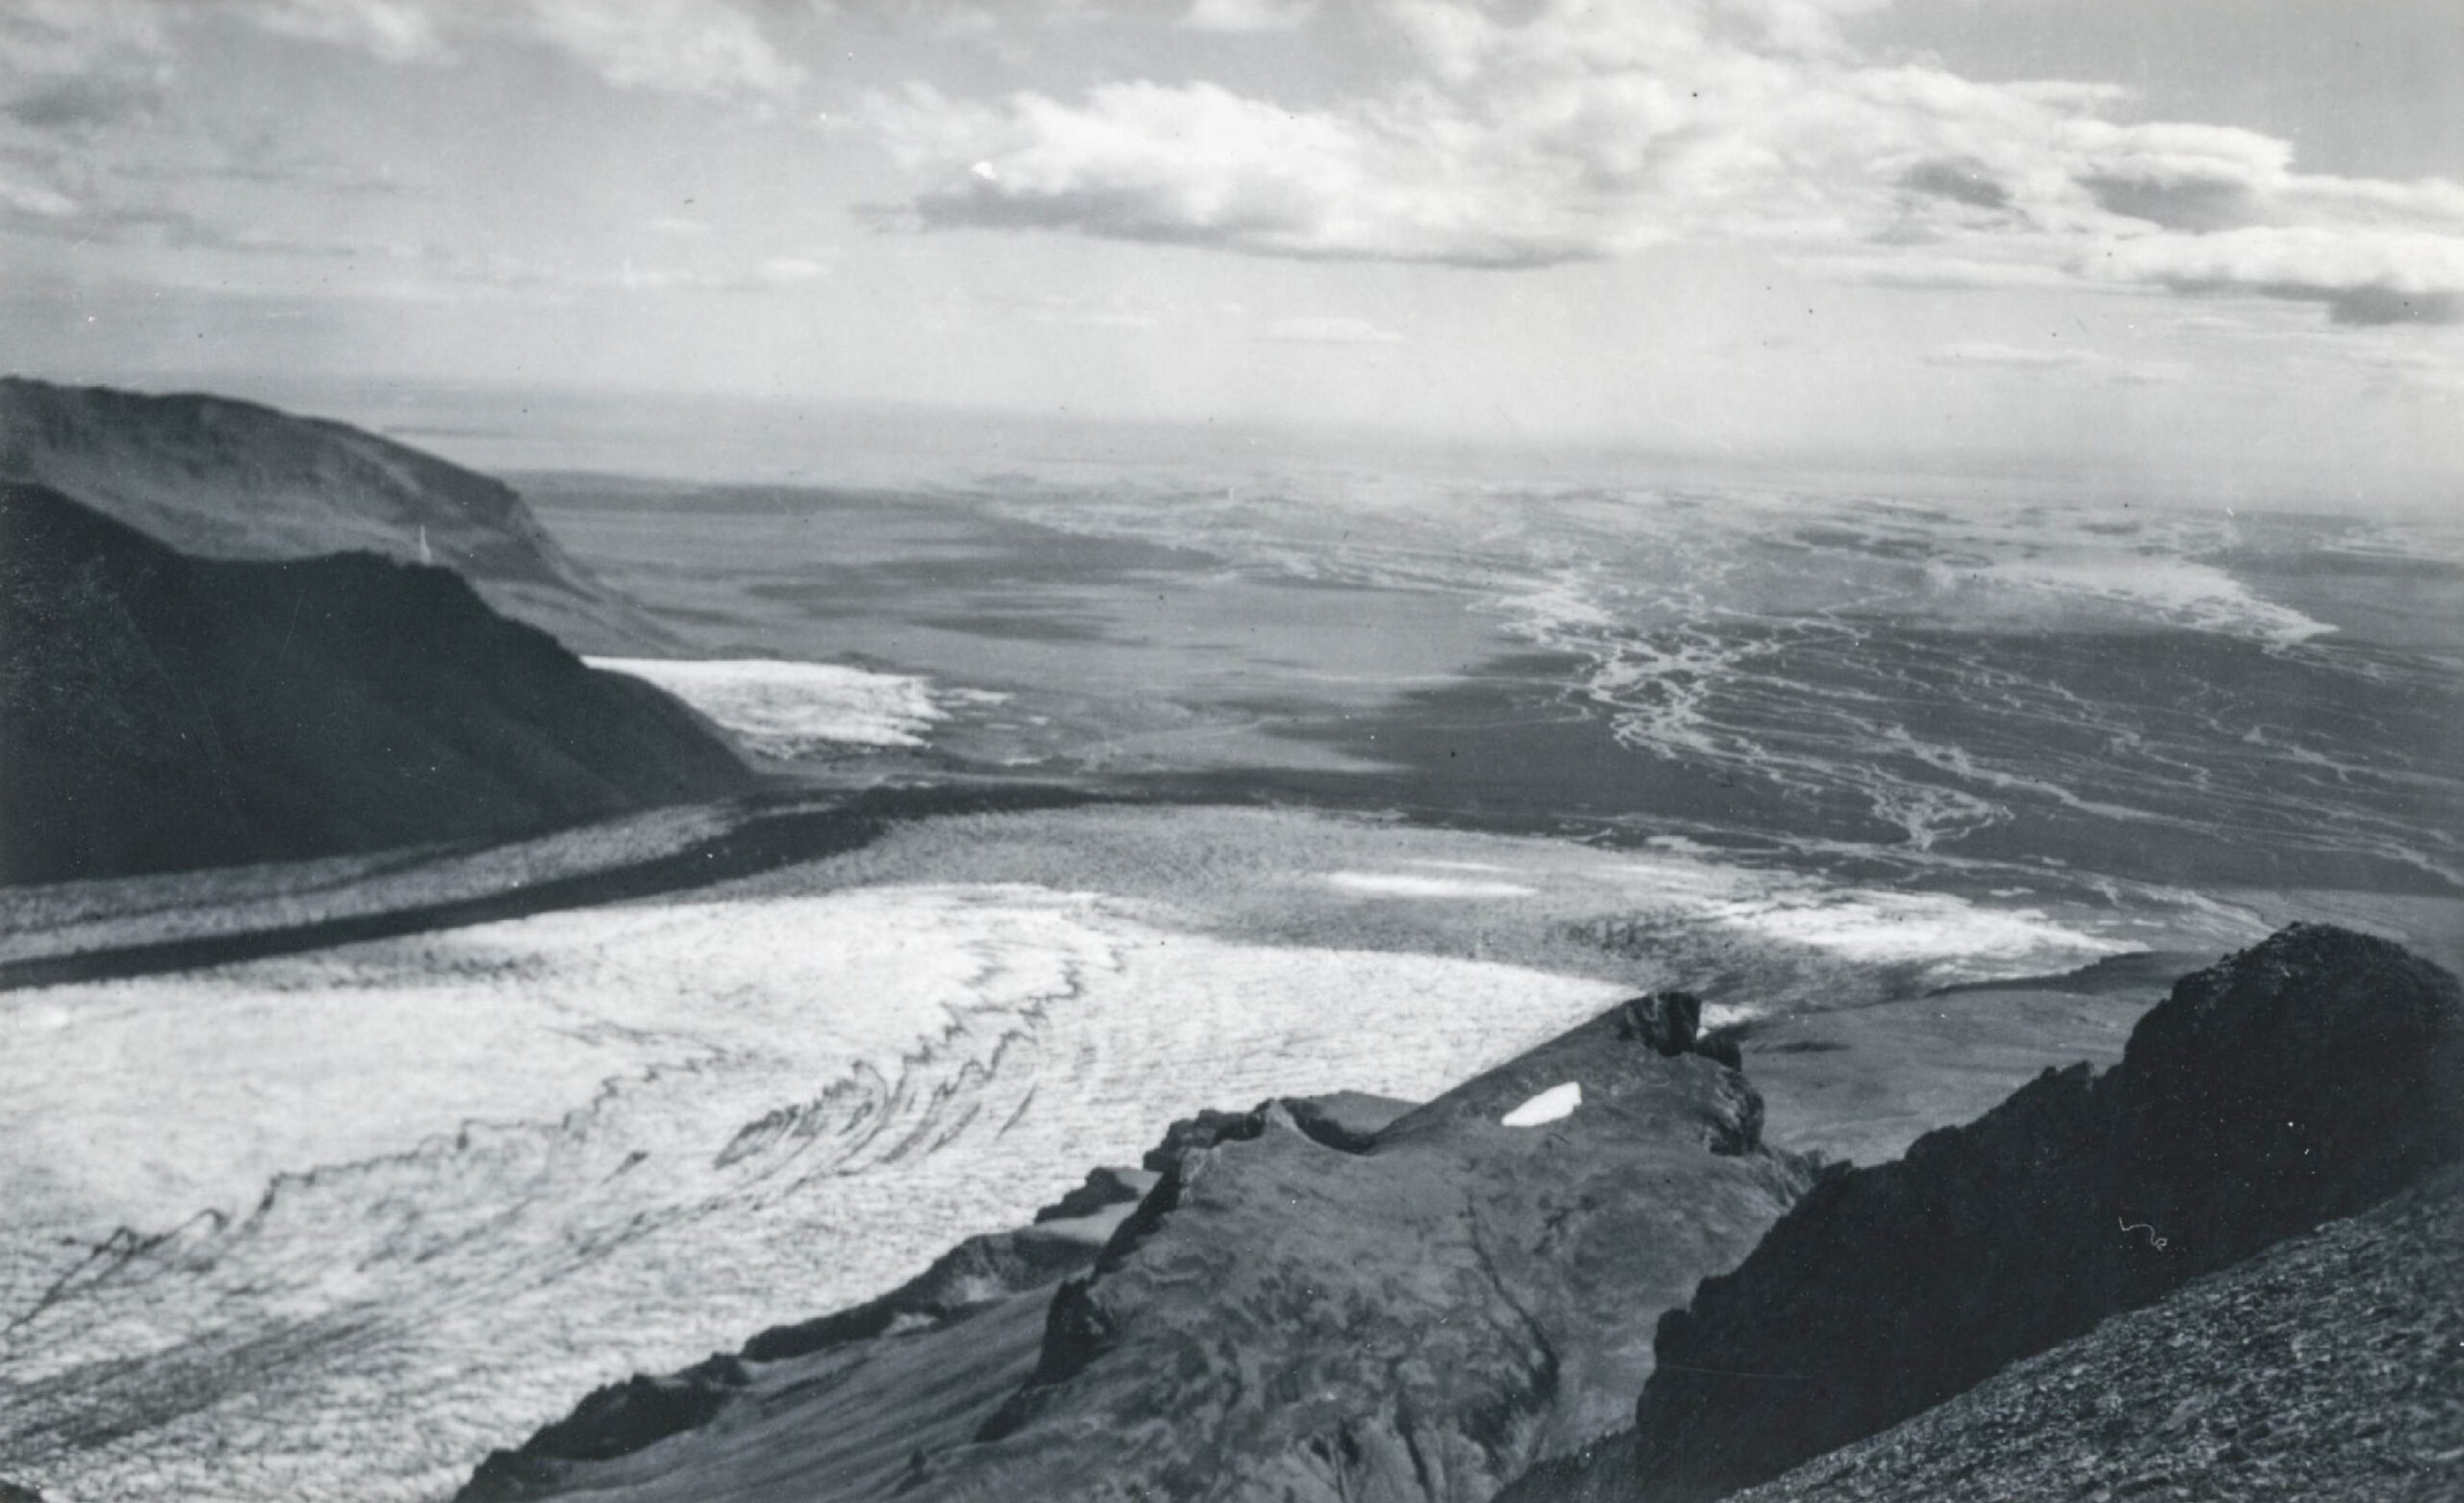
[(1307, 1305), (2306, 1078), (159, 712), (226, 479)]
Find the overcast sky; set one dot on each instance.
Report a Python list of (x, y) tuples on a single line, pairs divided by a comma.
[(2177, 238)]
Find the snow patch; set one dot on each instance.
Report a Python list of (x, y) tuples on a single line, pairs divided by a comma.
[(784, 710), (1553, 1105)]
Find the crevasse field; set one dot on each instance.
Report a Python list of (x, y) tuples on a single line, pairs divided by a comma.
[(1420, 772)]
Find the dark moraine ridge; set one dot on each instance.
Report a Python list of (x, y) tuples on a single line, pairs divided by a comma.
[(159, 712), (1311, 1301), (2304, 1079), (218, 479)]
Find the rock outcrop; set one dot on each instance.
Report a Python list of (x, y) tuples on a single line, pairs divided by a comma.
[(1308, 1304), (159, 712), (2330, 1367), (843, 1404), (2304, 1079), (224, 479)]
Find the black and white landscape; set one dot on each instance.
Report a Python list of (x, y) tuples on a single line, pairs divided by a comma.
[(1257, 749)]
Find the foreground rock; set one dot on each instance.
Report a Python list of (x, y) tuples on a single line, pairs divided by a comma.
[(2330, 1367), (159, 712), (1309, 1304), (217, 478), (2307, 1079)]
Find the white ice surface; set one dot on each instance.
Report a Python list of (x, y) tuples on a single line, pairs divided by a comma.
[(1410, 885)]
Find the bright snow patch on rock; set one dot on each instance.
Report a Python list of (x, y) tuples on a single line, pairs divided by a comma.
[(1553, 1105), (785, 709)]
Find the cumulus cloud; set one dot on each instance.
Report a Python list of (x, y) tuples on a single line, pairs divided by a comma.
[(1199, 164), (1535, 135), (2371, 277)]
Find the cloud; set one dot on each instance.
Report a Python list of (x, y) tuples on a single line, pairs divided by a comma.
[(1249, 16), (1963, 182), (70, 69), (1579, 133), (683, 46), (398, 31), (2013, 357), (1565, 131), (100, 142), (80, 105), (561, 278), (710, 47), (2415, 373), (1938, 274), (2365, 277), (35, 199), (789, 271), (2041, 359), (1199, 164), (1328, 331)]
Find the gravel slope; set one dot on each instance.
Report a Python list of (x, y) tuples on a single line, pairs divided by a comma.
[(2329, 1367)]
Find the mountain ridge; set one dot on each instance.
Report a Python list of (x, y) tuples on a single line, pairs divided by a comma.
[(159, 712), (221, 478)]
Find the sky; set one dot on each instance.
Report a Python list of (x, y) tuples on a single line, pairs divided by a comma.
[(2211, 247)]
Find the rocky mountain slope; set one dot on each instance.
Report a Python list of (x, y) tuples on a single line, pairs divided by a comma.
[(227, 479), (1309, 1302), (2330, 1367), (161, 712), (2306, 1078)]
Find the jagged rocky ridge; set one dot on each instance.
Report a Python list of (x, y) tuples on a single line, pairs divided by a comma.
[(217, 478), (1314, 1299), (2304, 1079), (159, 712)]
